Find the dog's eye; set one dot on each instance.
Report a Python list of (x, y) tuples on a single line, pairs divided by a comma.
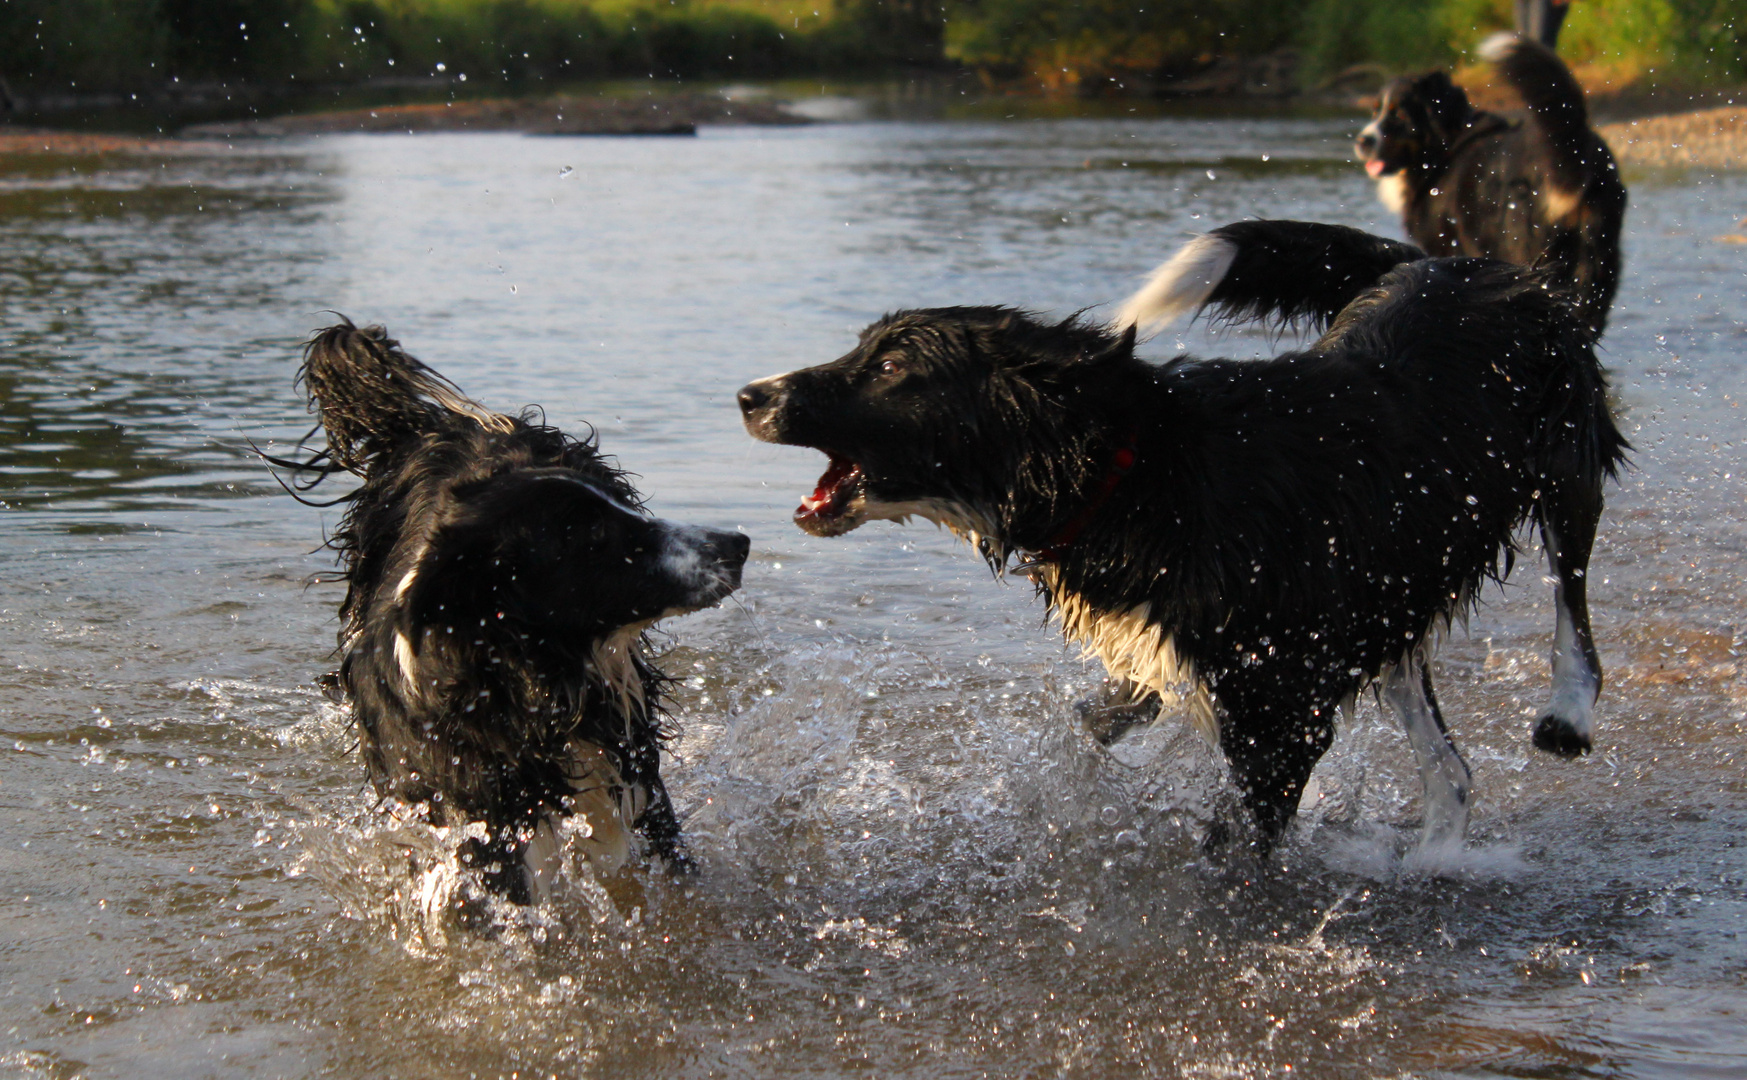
[(892, 367)]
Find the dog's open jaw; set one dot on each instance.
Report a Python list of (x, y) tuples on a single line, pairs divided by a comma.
[(838, 503), (843, 501)]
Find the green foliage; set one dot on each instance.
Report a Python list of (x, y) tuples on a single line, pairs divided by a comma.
[(87, 45), (1062, 42), (1089, 38), (132, 44), (82, 44), (1692, 40), (1401, 34), (1686, 41)]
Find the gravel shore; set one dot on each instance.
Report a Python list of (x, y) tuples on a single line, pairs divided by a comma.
[(1705, 139), (673, 114)]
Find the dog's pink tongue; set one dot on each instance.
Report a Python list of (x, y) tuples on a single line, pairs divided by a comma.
[(829, 492), (1374, 168)]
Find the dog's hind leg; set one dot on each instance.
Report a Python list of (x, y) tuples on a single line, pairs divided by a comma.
[(1568, 527), (1444, 776)]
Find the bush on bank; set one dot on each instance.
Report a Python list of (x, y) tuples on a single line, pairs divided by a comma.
[(98, 45), (1068, 43), (108, 45)]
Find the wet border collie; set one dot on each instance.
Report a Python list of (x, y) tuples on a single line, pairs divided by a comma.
[(501, 575), (1539, 191), (1256, 540)]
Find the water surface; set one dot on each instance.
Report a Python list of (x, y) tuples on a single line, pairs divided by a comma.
[(912, 863)]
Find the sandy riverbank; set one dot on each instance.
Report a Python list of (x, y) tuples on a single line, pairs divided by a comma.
[(675, 114), (1705, 139), (1714, 138)]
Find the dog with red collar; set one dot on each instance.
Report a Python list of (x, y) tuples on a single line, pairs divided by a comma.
[(1255, 541)]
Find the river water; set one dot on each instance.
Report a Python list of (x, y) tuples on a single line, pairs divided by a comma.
[(911, 862)]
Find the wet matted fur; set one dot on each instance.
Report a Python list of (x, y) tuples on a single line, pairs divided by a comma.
[(500, 577), (1264, 538), (1543, 190)]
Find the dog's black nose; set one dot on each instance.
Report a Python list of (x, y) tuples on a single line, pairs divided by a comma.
[(752, 397), (728, 550), (1367, 142)]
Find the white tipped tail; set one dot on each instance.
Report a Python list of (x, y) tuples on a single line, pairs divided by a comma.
[(1182, 284), (1497, 47)]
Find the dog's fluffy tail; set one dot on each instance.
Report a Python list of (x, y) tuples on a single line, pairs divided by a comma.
[(372, 395), (1555, 99), (1288, 271)]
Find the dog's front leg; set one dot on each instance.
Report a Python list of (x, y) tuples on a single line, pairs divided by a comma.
[(1272, 746)]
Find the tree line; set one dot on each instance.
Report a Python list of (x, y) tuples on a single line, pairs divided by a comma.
[(120, 45)]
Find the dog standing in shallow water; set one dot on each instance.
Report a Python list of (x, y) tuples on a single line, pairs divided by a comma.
[(500, 576), (1541, 191), (1263, 538)]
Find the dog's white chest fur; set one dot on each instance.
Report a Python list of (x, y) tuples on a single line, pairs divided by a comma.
[(1393, 192), (1133, 646)]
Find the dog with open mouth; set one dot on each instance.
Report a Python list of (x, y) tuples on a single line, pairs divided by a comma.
[(1256, 541), (1541, 190), (500, 579)]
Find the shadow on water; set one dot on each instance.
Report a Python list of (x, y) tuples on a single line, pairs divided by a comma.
[(911, 861)]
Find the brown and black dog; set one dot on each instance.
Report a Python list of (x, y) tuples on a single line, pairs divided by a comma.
[(1543, 190)]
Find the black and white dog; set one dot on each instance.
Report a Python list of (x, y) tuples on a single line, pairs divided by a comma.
[(1541, 191), (501, 575), (1259, 540)]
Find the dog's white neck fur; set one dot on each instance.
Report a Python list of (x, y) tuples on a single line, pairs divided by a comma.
[(966, 522), (612, 660), (1393, 191), (1181, 285)]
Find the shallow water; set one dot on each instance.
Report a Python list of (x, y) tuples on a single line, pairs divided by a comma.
[(910, 860)]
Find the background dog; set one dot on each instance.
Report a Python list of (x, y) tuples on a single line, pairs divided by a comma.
[(1540, 191), (1258, 540), (500, 577)]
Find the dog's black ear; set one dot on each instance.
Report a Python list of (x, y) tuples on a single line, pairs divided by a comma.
[(1446, 104), (1120, 349)]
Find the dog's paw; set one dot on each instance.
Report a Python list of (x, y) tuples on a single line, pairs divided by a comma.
[(1117, 711), (1557, 735)]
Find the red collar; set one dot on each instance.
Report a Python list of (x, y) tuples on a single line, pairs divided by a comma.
[(1120, 463)]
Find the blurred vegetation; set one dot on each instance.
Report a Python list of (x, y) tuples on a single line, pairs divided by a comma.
[(139, 44), (1676, 41), (1065, 43), (1073, 42), (109, 45)]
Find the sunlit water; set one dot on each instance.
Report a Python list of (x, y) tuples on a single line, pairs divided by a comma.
[(910, 860)]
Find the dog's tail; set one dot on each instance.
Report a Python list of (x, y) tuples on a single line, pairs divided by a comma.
[(372, 395), (1555, 100), (1288, 271)]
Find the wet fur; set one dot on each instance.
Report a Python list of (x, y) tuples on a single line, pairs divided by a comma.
[(494, 669), (1542, 190), (1294, 529)]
